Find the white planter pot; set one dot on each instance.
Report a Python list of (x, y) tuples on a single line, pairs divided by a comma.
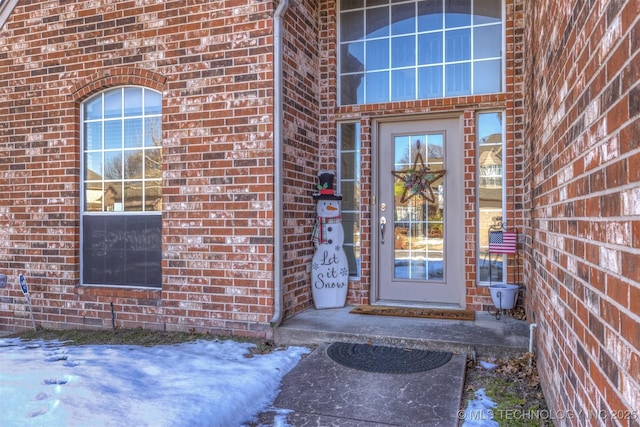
[(504, 296)]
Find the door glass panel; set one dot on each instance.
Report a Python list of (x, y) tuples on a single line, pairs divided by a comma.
[(419, 227)]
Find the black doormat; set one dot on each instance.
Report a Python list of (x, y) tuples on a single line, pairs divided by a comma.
[(386, 360)]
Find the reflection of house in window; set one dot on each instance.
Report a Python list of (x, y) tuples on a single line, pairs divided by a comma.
[(109, 198), (490, 162), (93, 192)]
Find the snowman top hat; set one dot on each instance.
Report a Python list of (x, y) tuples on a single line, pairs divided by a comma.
[(325, 187)]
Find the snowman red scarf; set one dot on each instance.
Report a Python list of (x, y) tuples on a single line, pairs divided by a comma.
[(320, 230)]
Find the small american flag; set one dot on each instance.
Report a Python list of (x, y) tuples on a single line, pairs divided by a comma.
[(502, 242)]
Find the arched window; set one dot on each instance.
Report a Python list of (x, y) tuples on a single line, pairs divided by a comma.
[(122, 188)]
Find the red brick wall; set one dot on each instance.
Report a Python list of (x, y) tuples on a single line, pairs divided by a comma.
[(301, 150), (582, 115), (212, 61)]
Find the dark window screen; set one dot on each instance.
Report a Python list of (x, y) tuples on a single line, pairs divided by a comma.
[(122, 250)]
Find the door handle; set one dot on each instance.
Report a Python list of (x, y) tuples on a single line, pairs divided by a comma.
[(383, 226)]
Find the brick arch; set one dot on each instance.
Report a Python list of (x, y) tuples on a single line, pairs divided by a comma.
[(117, 77)]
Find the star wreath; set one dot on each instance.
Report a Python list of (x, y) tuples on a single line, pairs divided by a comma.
[(418, 179)]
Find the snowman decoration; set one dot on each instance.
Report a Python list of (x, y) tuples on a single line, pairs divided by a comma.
[(330, 271)]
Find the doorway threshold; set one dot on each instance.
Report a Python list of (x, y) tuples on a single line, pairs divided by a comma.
[(416, 304)]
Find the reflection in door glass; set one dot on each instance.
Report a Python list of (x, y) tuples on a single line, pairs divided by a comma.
[(419, 207)]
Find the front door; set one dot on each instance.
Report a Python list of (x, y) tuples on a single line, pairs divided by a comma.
[(420, 213)]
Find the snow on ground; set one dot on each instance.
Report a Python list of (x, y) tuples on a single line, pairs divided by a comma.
[(478, 412), (204, 383)]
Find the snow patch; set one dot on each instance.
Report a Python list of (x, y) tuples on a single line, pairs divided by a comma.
[(479, 411), (204, 383)]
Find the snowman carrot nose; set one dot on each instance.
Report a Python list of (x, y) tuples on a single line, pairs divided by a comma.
[(332, 208)]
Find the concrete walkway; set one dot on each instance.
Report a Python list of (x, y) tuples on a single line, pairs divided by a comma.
[(321, 392)]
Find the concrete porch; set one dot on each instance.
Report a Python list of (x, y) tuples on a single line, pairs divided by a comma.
[(503, 338)]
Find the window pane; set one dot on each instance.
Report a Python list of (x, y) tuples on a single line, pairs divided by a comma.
[(153, 163), (348, 136), (133, 196), (430, 48), (487, 11), (352, 57), (403, 51), (153, 132), (153, 195), (93, 166), (403, 18), (93, 196), (401, 151), (430, 82), (487, 42), (132, 133), (93, 108), (112, 196), (377, 87), (378, 54), (133, 101), (351, 225), (458, 79), (93, 136), (347, 165), (377, 23), (152, 102), (457, 13), (350, 4), (403, 84), (490, 191), (486, 76), (113, 134), (429, 15), (435, 153), (351, 26), (490, 128), (133, 164), (113, 165), (352, 89), (113, 103), (458, 45), (348, 195)]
